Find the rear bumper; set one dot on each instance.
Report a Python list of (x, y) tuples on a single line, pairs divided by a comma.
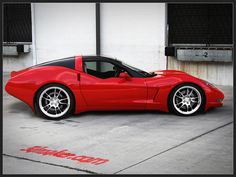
[(22, 92)]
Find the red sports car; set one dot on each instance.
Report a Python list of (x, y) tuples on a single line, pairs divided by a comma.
[(82, 83)]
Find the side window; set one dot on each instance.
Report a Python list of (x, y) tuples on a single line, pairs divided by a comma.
[(92, 65), (105, 67), (101, 69)]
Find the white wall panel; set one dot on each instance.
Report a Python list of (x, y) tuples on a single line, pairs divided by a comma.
[(64, 29), (134, 33)]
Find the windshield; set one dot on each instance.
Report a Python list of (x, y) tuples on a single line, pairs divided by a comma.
[(144, 73)]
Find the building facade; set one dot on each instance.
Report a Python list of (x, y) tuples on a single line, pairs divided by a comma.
[(150, 36)]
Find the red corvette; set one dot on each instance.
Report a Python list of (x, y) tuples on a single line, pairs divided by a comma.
[(82, 83)]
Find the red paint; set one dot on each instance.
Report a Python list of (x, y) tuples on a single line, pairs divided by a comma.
[(43, 150), (92, 93), (78, 63)]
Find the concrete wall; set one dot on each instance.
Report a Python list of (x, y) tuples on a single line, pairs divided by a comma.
[(64, 29), (219, 73), (134, 33), (14, 63)]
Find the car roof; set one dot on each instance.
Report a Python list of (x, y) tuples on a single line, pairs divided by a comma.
[(99, 57)]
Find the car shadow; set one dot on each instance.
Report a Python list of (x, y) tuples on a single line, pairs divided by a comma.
[(122, 112), (20, 107)]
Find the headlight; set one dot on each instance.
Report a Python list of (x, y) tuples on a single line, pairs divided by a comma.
[(208, 83)]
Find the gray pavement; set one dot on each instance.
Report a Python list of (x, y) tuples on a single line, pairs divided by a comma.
[(150, 142)]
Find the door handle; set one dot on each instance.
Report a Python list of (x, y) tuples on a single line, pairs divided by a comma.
[(78, 76)]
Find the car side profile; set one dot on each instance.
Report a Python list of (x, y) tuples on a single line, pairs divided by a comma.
[(77, 84)]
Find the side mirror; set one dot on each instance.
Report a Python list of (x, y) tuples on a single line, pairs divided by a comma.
[(124, 75)]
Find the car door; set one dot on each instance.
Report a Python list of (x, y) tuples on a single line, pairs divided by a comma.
[(103, 90)]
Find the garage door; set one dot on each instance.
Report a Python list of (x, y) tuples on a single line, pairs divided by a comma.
[(200, 23)]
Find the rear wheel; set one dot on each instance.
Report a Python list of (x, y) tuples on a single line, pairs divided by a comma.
[(186, 99), (54, 101)]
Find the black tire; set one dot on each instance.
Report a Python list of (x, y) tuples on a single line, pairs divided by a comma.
[(64, 90), (180, 112)]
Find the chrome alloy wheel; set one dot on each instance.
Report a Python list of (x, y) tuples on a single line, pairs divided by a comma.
[(187, 100), (54, 102)]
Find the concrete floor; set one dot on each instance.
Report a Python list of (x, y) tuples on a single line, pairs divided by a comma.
[(149, 142)]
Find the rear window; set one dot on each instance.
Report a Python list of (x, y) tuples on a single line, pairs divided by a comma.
[(65, 62)]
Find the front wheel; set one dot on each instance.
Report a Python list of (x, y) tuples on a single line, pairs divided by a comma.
[(54, 101), (186, 99)]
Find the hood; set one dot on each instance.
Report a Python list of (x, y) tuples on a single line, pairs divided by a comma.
[(170, 72)]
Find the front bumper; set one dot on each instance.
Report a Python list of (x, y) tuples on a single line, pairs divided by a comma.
[(214, 98)]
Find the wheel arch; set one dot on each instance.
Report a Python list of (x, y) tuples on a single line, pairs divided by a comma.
[(182, 83), (37, 91)]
